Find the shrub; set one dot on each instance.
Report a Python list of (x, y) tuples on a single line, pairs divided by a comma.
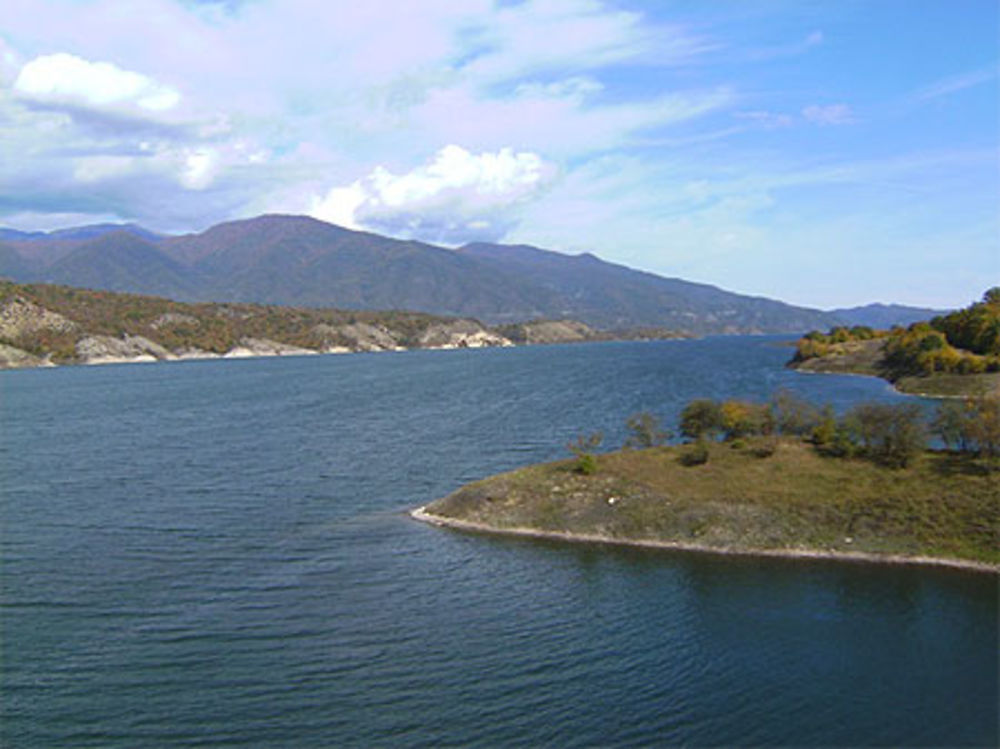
[(701, 418), (740, 419), (892, 434), (765, 448), (586, 464), (825, 430), (644, 431), (793, 415), (952, 423), (695, 455), (984, 425), (582, 447)]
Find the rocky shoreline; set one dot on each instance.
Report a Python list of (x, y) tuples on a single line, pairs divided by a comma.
[(420, 514), (48, 325)]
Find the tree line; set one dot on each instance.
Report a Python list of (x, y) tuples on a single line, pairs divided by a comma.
[(892, 434), (963, 342)]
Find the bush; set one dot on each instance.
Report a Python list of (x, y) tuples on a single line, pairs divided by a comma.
[(892, 434), (825, 431), (644, 431), (741, 419), (695, 455), (793, 415), (582, 447), (765, 448), (701, 418), (586, 464)]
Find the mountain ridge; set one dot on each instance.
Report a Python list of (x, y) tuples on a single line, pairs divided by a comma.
[(301, 261)]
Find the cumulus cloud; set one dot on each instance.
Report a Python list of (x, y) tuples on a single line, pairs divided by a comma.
[(455, 197), (65, 79), (832, 114), (375, 83)]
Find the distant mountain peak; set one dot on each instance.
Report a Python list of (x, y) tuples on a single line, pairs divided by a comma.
[(79, 233), (303, 261)]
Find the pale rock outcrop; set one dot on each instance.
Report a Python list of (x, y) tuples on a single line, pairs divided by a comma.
[(364, 337), (20, 317), (249, 347), (184, 354), (168, 319), (556, 331), (461, 334), (104, 349), (14, 358)]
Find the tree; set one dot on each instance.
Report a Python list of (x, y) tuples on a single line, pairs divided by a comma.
[(792, 414), (740, 419), (892, 434), (700, 418), (644, 431), (825, 431), (952, 423), (985, 425)]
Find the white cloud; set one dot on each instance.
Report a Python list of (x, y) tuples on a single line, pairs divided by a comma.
[(766, 119), (454, 197), (832, 114), (577, 87), (65, 79), (956, 83)]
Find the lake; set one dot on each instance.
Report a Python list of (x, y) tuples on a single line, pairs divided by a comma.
[(217, 553)]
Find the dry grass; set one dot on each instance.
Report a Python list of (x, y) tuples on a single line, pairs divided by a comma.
[(943, 505)]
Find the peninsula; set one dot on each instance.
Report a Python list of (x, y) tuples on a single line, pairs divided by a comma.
[(950, 355), (760, 498)]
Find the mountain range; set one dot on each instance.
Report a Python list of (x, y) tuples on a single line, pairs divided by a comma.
[(300, 261)]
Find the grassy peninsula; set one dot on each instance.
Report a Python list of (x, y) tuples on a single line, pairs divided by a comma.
[(951, 355), (763, 496), (783, 478)]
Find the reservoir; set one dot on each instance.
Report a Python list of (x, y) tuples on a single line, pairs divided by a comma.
[(217, 553)]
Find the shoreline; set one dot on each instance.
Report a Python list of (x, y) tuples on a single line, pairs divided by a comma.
[(420, 514), (892, 385), (244, 353)]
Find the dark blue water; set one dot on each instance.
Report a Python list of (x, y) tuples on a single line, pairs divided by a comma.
[(217, 553)]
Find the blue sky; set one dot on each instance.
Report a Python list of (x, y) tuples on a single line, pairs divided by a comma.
[(824, 153)]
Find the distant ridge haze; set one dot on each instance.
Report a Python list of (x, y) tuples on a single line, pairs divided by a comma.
[(301, 261)]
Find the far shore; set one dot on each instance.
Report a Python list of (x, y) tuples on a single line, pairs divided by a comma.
[(421, 514)]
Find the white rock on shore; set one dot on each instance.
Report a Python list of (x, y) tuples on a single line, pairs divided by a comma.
[(12, 357), (250, 347), (103, 349), (461, 334)]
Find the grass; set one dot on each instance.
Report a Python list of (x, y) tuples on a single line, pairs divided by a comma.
[(951, 385), (944, 505)]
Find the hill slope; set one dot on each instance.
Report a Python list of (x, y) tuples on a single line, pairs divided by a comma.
[(884, 315), (295, 260), (611, 296)]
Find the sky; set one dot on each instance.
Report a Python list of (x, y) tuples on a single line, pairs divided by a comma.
[(823, 153)]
